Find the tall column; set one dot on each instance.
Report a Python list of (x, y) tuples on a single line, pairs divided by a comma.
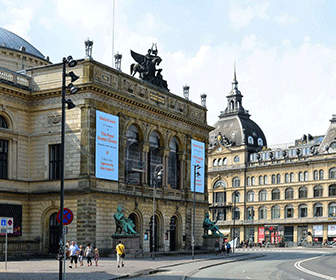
[(145, 151), (165, 168)]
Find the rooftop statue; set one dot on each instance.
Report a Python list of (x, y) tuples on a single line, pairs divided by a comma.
[(210, 225), (146, 67), (123, 224)]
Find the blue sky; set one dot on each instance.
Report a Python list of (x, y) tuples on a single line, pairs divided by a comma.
[(285, 51)]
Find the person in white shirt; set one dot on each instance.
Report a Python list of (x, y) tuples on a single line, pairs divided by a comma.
[(74, 252)]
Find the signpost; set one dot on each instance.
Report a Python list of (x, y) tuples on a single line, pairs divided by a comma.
[(6, 226)]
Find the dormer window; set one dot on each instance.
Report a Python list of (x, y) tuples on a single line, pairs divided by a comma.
[(250, 140), (260, 142)]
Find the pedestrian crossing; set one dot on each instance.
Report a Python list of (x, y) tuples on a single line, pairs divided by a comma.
[(294, 249)]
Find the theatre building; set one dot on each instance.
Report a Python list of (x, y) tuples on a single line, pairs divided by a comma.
[(270, 194), (144, 125)]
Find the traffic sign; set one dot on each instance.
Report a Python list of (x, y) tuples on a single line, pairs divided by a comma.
[(67, 216), (6, 225)]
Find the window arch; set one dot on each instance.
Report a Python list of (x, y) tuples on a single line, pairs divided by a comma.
[(263, 195), (275, 212), (291, 177), (3, 122), (154, 158), (318, 191), (219, 162), (260, 142), (214, 162), (224, 162), (235, 197), (286, 178), (219, 184), (289, 211), (260, 180), (303, 211), (252, 180), (236, 159), (332, 210), (250, 140), (236, 214), (289, 193), (321, 174), (275, 194), (318, 210), (303, 192), (300, 176), (332, 173), (174, 170), (278, 179), (262, 213), (273, 179), (250, 196), (315, 175), (265, 180), (235, 182), (305, 176), (332, 190), (248, 181), (134, 164), (250, 213)]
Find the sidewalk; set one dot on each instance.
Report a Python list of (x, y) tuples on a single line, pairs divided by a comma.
[(41, 269)]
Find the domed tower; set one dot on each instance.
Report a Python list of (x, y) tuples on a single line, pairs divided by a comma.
[(234, 127), (17, 54)]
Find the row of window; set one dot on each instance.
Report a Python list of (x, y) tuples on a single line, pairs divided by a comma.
[(223, 161)]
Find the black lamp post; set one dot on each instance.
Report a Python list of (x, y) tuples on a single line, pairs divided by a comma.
[(157, 176), (71, 63), (196, 174), (234, 219)]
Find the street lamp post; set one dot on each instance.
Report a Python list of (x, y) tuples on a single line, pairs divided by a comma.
[(234, 219), (71, 63), (196, 174), (157, 176)]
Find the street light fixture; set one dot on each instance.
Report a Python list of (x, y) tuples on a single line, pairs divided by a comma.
[(70, 62), (196, 174), (157, 177), (234, 219)]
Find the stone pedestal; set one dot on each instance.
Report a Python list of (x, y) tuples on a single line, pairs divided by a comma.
[(209, 241), (131, 242)]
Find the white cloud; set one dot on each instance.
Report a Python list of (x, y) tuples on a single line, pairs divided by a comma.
[(285, 19)]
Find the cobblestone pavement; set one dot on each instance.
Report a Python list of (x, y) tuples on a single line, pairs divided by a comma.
[(47, 269)]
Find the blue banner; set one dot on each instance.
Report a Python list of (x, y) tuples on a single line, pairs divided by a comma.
[(197, 159), (107, 146)]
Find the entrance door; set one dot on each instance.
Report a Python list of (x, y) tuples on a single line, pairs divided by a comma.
[(54, 234), (173, 233), (156, 234), (289, 233)]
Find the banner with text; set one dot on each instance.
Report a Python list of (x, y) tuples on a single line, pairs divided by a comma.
[(107, 146), (197, 158)]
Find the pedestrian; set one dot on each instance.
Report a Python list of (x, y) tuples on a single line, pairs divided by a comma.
[(74, 251), (88, 254), (228, 247), (81, 255), (67, 250), (223, 247), (217, 246), (96, 256), (120, 248)]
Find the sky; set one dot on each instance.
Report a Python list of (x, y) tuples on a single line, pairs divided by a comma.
[(285, 51)]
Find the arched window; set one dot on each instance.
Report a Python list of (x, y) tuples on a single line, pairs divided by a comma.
[(214, 162), (236, 159), (291, 177), (260, 142), (278, 179), (224, 161), (305, 176), (134, 165), (260, 179), (286, 178), (235, 182), (265, 180), (289, 211), (321, 174), (275, 194), (252, 181), (318, 191), (303, 211), (248, 180), (275, 212), (332, 173), (262, 213), (174, 165), (3, 123), (316, 175), (250, 196), (300, 176), (303, 192), (332, 190), (154, 158), (332, 210), (289, 193), (219, 184), (250, 140), (236, 214), (273, 179), (235, 197), (219, 162), (318, 210), (250, 213), (262, 195)]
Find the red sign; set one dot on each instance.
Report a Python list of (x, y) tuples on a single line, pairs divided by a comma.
[(261, 234), (316, 239), (334, 239), (67, 216)]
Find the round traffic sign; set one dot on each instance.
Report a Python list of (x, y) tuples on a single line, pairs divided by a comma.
[(9, 222), (67, 216)]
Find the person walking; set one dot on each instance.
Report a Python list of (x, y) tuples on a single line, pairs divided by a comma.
[(217, 246), (120, 248), (88, 254), (228, 247), (96, 256), (74, 251), (80, 255)]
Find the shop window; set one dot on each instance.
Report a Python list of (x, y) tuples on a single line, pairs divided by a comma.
[(318, 191), (250, 213), (55, 162), (235, 182), (318, 210), (260, 180), (303, 211), (332, 173), (133, 165), (173, 165), (332, 190), (289, 211), (321, 174), (276, 194), (250, 196), (332, 210), (289, 193), (263, 195), (303, 192), (262, 213), (316, 175), (236, 214), (3, 159), (275, 211), (154, 158)]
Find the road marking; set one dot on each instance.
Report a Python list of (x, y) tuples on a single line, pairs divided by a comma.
[(299, 267)]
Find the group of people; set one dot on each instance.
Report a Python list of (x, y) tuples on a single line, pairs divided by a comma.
[(76, 254), (226, 247)]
